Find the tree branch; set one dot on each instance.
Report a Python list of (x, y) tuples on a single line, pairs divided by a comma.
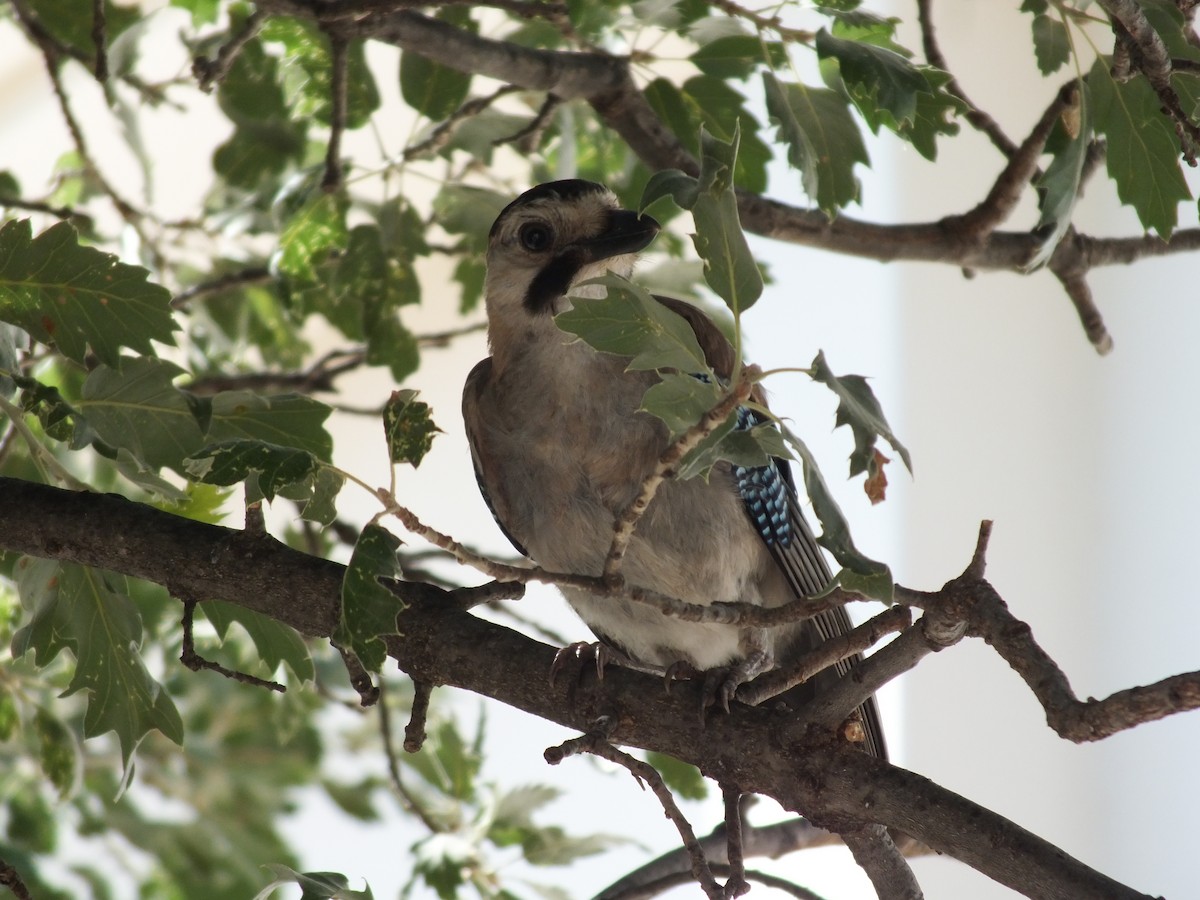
[(777, 753)]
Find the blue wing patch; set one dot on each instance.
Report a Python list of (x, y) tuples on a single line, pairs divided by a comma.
[(764, 491)]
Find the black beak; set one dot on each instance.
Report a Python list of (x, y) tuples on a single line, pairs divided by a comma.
[(627, 232)]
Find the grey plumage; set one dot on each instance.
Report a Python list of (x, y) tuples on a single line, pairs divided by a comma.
[(560, 448)]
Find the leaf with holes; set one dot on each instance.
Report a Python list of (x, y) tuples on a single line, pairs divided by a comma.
[(369, 609), (77, 297), (858, 408), (408, 426), (231, 462)]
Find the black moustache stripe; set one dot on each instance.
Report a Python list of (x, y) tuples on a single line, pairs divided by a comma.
[(552, 282)]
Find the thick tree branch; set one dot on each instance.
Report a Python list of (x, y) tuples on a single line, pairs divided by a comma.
[(605, 82), (765, 751)]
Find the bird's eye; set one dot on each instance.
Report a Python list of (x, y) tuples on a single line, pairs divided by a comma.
[(535, 237)]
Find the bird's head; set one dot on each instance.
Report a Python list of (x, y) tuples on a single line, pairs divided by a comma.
[(557, 235)]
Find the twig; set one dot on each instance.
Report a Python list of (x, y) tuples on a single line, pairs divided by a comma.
[(360, 679), (528, 137), (827, 654), (443, 338), (337, 115), (317, 377), (100, 41), (210, 71), (11, 879), (407, 799), (1142, 47), (194, 661), (771, 841), (723, 613), (658, 886), (1022, 167), (646, 775), (414, 731), (493, 591), (664, 468), (59, 212), (979, 119), (761, 22), (735, 884), (46, 461), (249, 275), (1070, 267), (874, 851), (441, 135)]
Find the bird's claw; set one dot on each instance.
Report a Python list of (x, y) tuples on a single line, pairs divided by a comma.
[(579, 651)]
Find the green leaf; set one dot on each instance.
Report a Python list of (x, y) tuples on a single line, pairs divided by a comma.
[(860, 573), (10, 337), (729, 267), (712, 103), (680, 400), (287, 420), (737, 56), (629, 322), (679, 186), (823, 141), (867, 28), (1051, 43), (408, 427), (139, 408), (231, 462), (58, 752), (276, 643), (1143, 153), (77, 297), (10, 719), (1058, 188), (308, 71), (317, 229), (858, 408), (469, 211), (682, 778), (90, 612), (881, 83), (319, 496), (316, 885), (204, 12), (355, 800), (432, 89), (448, 763), (266, 140), (936, 111), (369, 609), (723, 114), (70, 21)]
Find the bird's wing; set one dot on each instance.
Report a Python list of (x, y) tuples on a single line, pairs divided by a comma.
[(480, 459), (773, 506)]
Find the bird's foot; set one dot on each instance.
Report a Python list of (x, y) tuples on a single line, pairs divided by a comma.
[(580, 652), (679, 671), (721, 684)]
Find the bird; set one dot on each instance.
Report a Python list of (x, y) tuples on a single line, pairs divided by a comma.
[(560, 448)]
